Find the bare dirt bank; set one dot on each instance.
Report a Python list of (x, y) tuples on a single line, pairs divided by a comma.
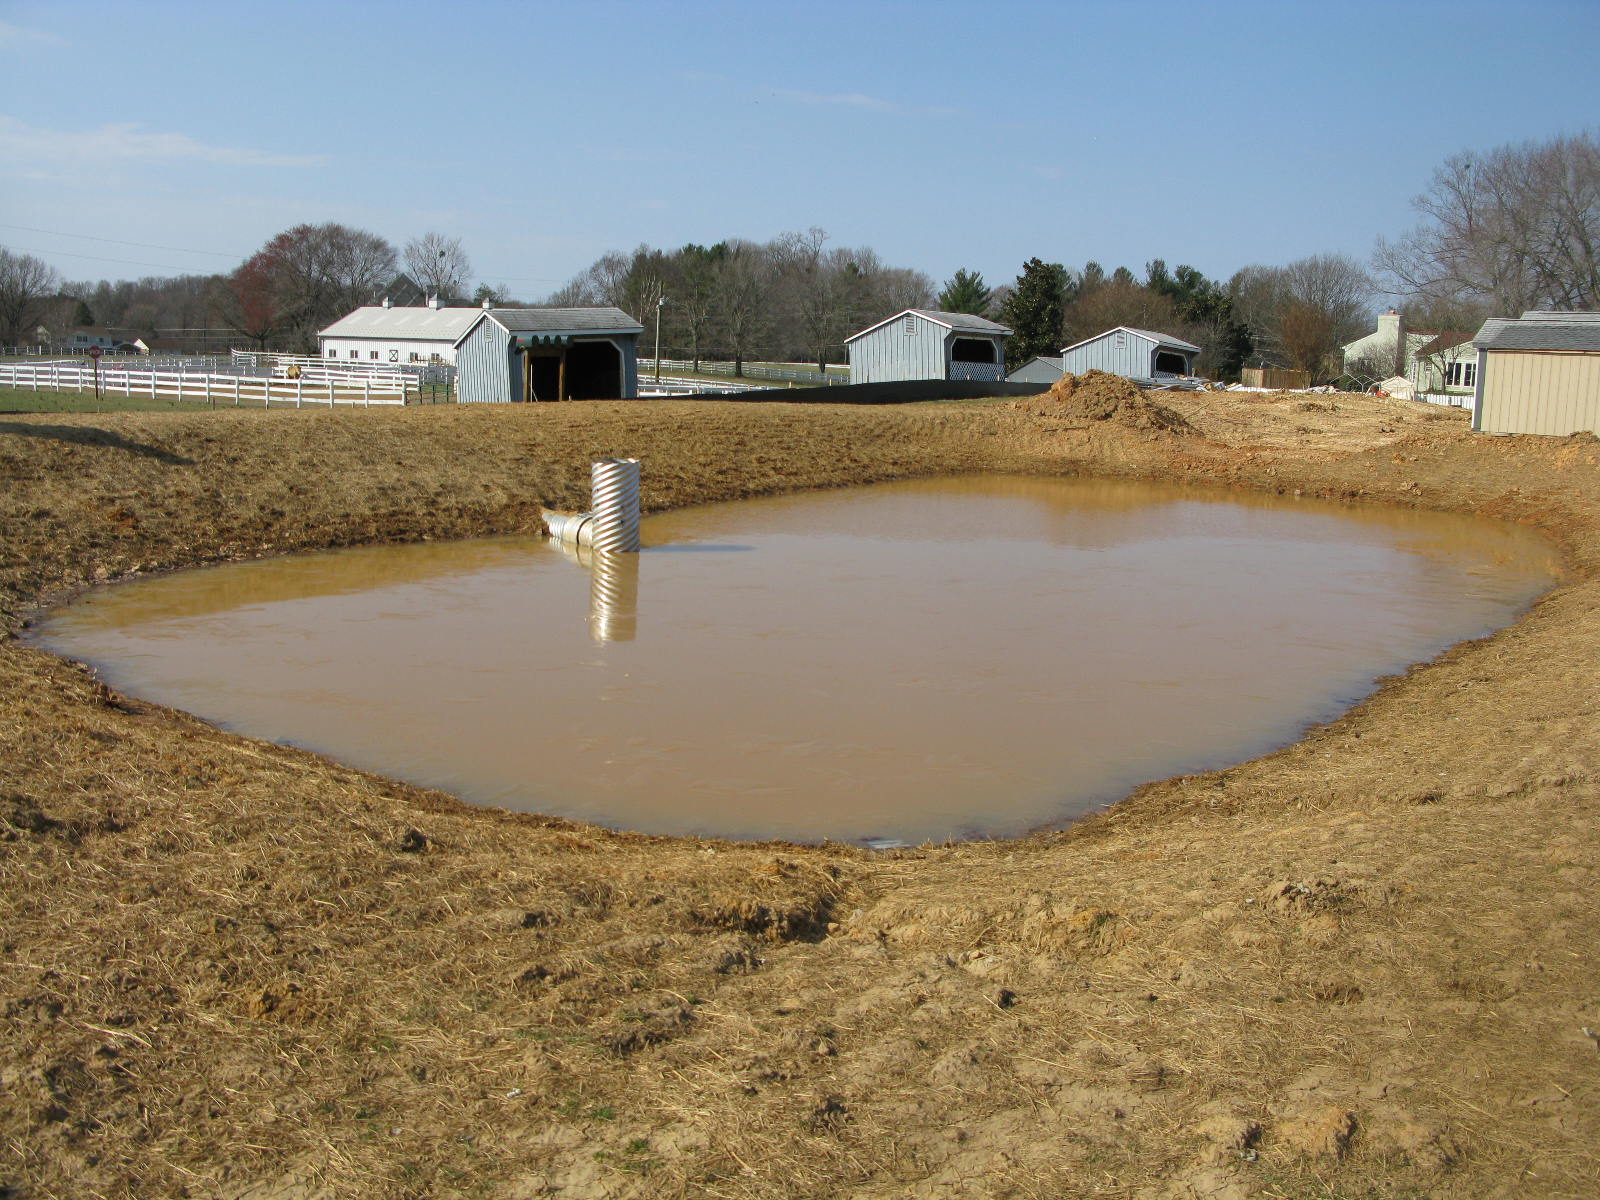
[(1361, 967)]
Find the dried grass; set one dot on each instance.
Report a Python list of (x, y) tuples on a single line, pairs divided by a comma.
[(1359, 966)]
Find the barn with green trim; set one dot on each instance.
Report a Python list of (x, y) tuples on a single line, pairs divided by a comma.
[(513, 355)]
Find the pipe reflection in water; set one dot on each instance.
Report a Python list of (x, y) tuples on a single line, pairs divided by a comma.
[(613, 591)]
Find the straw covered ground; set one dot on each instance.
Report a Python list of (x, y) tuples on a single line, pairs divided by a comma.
[(1363, 967)]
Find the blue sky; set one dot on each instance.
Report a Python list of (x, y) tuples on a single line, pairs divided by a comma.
[(163, 138)]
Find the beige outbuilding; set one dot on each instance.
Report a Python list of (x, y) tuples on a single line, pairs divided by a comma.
[(1539, 374)]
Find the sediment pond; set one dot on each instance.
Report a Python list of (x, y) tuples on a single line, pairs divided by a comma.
[(940, 659)]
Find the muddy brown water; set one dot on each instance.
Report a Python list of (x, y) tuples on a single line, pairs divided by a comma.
[(942, 659)]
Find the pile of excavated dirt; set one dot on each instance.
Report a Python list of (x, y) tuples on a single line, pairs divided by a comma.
[(1100, 396)]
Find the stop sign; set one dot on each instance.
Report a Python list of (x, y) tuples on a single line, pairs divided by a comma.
[(95, 352)]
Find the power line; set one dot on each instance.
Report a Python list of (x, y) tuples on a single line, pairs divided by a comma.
[(126, 262), (89, 237)]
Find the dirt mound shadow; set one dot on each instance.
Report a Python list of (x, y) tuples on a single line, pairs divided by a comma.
[(1100, 396)]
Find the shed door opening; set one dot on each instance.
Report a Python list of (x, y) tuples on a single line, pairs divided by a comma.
[(1168, 363), (581, 371), (541, 375), (594, 371), (978, 350)]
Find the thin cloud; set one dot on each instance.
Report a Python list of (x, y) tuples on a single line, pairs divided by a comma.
[(132, 143), (846, 100), (866, 103), (16, 36)]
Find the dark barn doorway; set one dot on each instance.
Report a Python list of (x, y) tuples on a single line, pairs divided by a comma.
[(594, 371), (580, 371), (973, 350)]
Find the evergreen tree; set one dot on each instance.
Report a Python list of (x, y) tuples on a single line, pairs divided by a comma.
[(1034, 311), (965, 293)]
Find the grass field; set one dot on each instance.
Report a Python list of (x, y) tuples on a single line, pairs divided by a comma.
[(25, 400)]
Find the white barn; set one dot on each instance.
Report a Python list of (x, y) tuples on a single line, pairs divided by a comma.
[(1132, 353), (384, 333), (922, 344), (512, 355)]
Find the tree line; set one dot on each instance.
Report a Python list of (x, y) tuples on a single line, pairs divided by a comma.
[(1512, 229)]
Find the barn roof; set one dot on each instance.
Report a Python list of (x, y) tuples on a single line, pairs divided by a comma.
[(1160, 339), (960, 322), (553, 326), (422, 324), (566, 320), (1541, 331)]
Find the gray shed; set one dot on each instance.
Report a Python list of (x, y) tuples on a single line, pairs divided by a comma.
[(1131, 353), (516, 354), (1038, 370), (1538, 374), (921, 344)]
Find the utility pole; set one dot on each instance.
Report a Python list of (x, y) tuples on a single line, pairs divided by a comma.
[(662, 300)]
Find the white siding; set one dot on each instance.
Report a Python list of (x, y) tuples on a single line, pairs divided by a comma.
[(484, 368), (889, 353), (1117, 351)]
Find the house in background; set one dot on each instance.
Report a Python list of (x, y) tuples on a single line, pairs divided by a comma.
[(921, 343), (83, 338), (387, 333), (405, 292), (518, 354), (1539, 374), (1436, 362), (1446, 365), (1137, 354), (1038, 370)]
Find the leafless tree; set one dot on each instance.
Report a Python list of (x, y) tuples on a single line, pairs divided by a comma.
[(1119, 303), (742, 280), (302, 280), (603, 282), (26, 284), (896, 289), (1518, 227), (1301, 314), (438, 264)]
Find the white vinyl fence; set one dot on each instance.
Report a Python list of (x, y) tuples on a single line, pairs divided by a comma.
[(647, 366), (205, 387)]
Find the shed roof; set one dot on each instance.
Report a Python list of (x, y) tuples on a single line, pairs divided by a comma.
[(1443, 341), (1160, 339), (556, 324), (960, 322), (1541, 331), (421, 324)]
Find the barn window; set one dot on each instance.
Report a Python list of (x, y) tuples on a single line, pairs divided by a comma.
[(1168, 363), (976, 350), (355, 354), (394, 356), (372, 354), (332, 353)]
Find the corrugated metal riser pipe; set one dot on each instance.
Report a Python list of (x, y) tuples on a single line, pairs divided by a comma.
[(612, 525)]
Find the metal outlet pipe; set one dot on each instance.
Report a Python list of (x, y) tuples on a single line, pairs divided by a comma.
[(612, 526), (615, 491)]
